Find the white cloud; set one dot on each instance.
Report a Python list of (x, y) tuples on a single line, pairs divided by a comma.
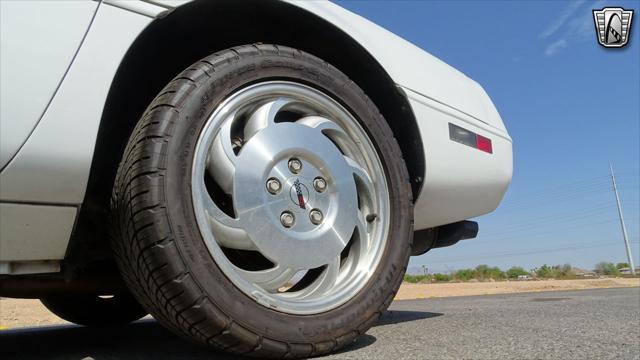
[(574, 23), (555, 46), (562, 18)]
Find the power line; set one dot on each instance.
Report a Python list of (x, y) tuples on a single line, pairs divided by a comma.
[(544, 232), (584, 184), (542, 201), (558, 218)]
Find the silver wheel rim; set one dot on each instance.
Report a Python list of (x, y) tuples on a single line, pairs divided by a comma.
[(290, 197)]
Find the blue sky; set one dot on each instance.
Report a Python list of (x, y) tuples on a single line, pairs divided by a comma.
[(570, 105)]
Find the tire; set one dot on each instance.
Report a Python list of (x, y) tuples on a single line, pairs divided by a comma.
[(96, 311), (168, 261)]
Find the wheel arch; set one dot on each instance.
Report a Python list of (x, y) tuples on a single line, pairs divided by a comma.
[(178, 38)]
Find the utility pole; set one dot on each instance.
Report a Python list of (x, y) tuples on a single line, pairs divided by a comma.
[(624, 228), (425, 270)]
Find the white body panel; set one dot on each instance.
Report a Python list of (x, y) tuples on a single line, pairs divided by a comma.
[(52, 166), (460, 182), (30, 32), (33, 233)]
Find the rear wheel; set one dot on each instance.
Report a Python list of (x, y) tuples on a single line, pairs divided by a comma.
[(93, 310), (263, 206)]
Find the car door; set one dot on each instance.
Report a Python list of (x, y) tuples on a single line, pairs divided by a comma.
[(39, 40)]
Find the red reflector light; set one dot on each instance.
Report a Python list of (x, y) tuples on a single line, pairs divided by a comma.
[(484, 144), (469, 138)]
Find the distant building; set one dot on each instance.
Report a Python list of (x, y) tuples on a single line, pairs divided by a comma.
[(584, 273), (627, 271)]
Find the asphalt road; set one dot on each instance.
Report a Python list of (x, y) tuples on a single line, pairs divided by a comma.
[(585, 324)]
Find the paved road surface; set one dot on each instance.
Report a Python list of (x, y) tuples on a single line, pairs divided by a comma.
[(560, 325)]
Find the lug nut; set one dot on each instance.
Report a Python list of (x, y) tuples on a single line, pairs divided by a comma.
[(315, 216), (295, 165), (320, 184), (273, 186), (287, 219)]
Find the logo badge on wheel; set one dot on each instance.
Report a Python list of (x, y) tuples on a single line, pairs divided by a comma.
[(299, 194), (613, 26)]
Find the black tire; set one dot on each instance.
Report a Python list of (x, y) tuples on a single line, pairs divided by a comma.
[(96, 311), (156, 238)]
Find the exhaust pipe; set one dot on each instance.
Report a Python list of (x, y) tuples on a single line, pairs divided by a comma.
[(442, 236)]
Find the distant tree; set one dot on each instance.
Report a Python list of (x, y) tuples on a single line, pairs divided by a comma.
[(441, 277), (481, 272), (564, 271), (485, 272), (545, 271), (414, 279), (497, 274), (516, 271), (606, 268), (464, 274), (622, 265)]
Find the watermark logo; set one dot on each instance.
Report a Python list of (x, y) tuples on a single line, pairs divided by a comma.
[(613, 26)]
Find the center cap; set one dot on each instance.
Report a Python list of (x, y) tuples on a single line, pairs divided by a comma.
[(259, 211), (299, 194)]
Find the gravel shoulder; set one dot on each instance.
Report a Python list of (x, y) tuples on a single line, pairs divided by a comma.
[(438, 290), (18, 313)]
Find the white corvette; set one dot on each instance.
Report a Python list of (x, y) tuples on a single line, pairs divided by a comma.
[(254, 174)]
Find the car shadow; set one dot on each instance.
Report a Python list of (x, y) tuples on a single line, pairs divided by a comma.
[(399, 316), (144, 339)]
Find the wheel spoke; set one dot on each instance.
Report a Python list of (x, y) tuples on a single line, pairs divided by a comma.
[(221, 158), (271, 279), (365, 186), (331, 130), (362, 228), (227, 231), (264, 116), (324, 282), (350, 265)]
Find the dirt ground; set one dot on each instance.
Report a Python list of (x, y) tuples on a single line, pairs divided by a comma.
[(425, 291), (26, 313)]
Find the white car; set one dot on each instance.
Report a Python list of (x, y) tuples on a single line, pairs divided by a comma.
[(254, 174)]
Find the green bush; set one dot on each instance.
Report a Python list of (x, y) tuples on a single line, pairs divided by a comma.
[(516, 271), (622, 265), (441, 277), (545, 271), (464, 274), (416, 278), (607, 268), (564, 272), (555, 272), (485, 272)]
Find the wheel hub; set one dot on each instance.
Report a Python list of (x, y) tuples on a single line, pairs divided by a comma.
[(268, 155)]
